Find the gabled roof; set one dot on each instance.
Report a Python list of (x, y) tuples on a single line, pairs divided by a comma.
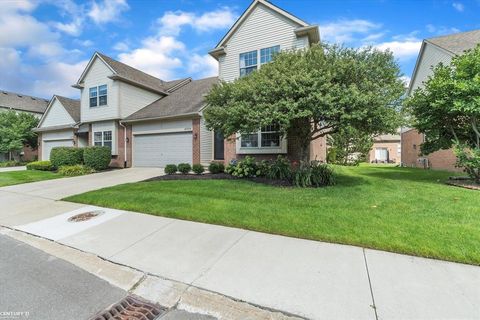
[(126, 73), (70, 105), (187, 100), (457, 43), (21, 102), (304, 27)]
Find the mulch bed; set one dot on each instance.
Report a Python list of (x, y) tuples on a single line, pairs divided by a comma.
[(220, 176), (464, 183)]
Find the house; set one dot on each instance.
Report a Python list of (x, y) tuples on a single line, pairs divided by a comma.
[(432, 52), (386, 149), (147, 121), (20, 102)]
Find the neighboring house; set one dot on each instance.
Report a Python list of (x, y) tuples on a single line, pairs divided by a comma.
[(22, 103), (386, 149), (262, 30), (434, 51), (60, 126), (150, 122)]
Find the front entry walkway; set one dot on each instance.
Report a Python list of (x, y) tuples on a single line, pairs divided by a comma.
[(306, 278)]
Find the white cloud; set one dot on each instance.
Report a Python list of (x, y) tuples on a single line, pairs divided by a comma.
[(84, 43), (121, 46), (171, 22), (107, 10), (203, 66), (73, 28), (156, 56), (458, 6), (406, 80), (345, 31), (402, 50), (441, 30)]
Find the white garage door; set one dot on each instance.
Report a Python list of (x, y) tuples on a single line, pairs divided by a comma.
[(158, 150), (49, 145)]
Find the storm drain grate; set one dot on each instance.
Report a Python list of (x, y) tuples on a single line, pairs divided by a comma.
[(131, 308)]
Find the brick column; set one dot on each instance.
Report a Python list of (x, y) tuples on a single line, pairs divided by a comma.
[(39, 146), (196, 140), (230, 149)]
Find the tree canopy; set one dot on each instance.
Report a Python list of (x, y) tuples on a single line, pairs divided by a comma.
[(311, 93), (16, 131)]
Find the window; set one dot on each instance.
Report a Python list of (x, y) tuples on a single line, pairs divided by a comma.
[(266, 55), (248, 62), (103, 138), (93, 97), (98, 96), (268, 136)]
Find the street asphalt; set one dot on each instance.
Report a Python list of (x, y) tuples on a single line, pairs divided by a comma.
[(44, 287)]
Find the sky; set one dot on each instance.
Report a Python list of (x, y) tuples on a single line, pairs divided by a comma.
[(46, 44)]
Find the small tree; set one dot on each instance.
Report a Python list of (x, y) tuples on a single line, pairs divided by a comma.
[(351, 146), (16, 131), (447, 110), (310, 94)]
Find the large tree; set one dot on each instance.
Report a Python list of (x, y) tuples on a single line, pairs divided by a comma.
[(350, 146), (310, 94), (16, 131), (447, 110)]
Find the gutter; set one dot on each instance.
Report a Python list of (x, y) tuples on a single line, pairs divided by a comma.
[(124, 143), (163, 118)]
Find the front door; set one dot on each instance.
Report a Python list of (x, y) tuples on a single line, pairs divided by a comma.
[(218, 146)]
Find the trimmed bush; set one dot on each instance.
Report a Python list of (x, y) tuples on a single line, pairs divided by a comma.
[(40, 165), (184, 168), (66, 156), (263, 168), (244, 169), (216, 167), (76, 170), (97, 157), (170, 169), (198, 168)]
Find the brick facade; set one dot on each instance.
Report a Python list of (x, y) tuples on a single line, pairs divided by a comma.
[(196, 141), (411, 157), (39, 146), (393, 153), (119, 160)]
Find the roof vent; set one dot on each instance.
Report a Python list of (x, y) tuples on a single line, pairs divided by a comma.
[(20, 96), (4, 92), (33, 98)]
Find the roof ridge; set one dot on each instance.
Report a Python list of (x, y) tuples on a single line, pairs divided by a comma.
[(452, 34)]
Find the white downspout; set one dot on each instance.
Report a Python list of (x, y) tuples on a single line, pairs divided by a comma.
[(124, 144)]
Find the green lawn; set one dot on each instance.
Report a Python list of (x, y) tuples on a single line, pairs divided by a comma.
[(395, 209), (17, 177)]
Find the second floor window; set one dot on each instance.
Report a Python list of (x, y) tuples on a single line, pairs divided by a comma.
[(248, 62), (98, 96), (102, 138)]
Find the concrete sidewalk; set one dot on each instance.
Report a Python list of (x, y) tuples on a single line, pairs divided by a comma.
[(9, 169), (306, 278)]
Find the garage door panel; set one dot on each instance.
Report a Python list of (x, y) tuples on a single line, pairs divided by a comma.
[(49, 145), (158, 150)]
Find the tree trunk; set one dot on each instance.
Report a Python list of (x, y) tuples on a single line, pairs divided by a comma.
[(299, 137)]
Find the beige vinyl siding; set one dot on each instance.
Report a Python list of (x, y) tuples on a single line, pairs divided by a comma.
[(57, 116), (150, 127), (206, 143), (263, 28), (431, 56), (133, 98), (98, 75)]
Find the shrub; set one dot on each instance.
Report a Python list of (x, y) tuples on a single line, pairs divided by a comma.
[(216, 167), (230, 168), (245, 169), (263, 167), (280, 169), (97, 158), (66, 156), (332, 155), (184, 168), (198, 168), (469, 160), (75, 170), (313, 174), (40, 165), (170, 169)]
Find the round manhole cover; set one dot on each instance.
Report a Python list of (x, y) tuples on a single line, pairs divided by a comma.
[(85, 216)]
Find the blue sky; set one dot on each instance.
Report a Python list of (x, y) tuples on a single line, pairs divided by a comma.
[(46, 44)]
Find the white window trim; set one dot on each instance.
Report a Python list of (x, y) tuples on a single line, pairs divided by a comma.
[(281, 149), (103, 137), (259, 59), (98, 96)]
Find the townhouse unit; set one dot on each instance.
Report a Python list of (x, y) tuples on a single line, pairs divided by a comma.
[(147, 121)]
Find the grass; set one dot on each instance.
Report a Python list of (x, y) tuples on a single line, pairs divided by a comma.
[(395, 209), (18, 177)]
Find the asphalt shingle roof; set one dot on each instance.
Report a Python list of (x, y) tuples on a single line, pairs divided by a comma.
[(137, 76), (72, 106), (187, 99), (457, 43), (19, 101)]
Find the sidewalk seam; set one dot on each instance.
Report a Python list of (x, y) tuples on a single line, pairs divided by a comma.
[(374, 306)]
